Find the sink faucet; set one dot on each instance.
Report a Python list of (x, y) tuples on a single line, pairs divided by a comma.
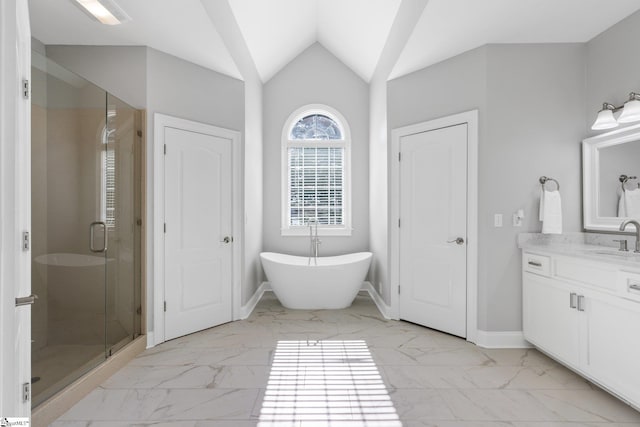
[(637, 225), (314, 240)]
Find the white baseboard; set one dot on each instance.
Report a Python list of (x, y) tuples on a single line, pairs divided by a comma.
[(247, 309), (377, 299), (505, 339), (150, 339)]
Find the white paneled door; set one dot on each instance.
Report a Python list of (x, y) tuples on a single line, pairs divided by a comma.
[(433, 229), (198, 241)]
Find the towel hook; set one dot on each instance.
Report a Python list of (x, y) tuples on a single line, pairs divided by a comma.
[(623, 180), (543, 180)]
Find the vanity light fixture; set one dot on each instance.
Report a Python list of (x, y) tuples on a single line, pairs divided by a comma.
[(630, 113), (104, 11)]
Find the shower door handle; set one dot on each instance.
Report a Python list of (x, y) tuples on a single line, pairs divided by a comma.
[(26, 300), (91, 236)]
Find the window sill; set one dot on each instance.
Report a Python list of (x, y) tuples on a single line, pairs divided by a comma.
[(322, 231)]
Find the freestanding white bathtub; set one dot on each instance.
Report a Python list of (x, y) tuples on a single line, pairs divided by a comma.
[(331, 284)]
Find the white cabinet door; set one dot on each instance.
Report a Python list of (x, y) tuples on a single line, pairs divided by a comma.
[(549, 322), (613, 337)]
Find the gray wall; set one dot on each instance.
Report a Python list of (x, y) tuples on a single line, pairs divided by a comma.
[(122, 71), (535, 99), (378, 188), (253, 200), (613, 66), (316, 77), (182, 89), (450, 87), (530, 101)]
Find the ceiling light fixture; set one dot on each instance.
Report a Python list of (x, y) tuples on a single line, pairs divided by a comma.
[(630, 113), (104, 11)]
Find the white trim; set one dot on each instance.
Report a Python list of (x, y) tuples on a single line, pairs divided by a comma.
[(471, 119), (160, 122), (15, 206), (346, 229), (502, 339), (151, 340), (591, 174), (247, 309), (366, 287), (383, 308)]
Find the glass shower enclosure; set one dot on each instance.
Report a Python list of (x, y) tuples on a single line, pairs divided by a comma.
[(86, 226)]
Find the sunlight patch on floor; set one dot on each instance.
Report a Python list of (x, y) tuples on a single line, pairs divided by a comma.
[(326, 383)]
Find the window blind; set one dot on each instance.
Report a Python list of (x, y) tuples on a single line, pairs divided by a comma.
[(109, 169), (316, 176)]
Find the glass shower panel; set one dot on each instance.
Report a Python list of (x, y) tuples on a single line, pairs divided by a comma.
[(86, 226), (121, 212), (69, 260)]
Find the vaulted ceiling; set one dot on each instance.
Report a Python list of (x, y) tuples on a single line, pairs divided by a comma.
[(355, 31)]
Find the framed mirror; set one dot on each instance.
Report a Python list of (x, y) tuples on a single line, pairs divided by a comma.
[(611, 178)]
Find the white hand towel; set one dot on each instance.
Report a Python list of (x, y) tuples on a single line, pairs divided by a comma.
[(632, 203), (622, 206), (551, 212)]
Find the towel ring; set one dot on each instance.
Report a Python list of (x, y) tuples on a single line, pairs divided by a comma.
[(543, 180), (623, 180)]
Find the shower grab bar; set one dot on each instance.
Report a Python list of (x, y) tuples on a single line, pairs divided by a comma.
[(91, 236), (623, 180), (544, 179)]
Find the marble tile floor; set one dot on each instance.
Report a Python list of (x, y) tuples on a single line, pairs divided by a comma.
[(218, 378)]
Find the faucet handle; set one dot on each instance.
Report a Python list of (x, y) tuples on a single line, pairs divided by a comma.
[(623, 244)]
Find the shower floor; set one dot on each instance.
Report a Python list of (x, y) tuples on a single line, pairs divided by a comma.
[(59, 365)]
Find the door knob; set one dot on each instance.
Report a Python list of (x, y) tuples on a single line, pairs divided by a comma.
[(457, 240), (227, 239)]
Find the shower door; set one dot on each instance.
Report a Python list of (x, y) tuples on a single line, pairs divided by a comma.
[(120, 187), (85, 207)]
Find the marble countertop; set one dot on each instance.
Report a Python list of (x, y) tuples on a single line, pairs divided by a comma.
[(586, 248)]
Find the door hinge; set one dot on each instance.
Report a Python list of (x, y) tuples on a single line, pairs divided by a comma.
[(165, 227), (399, 156), (26, 241), (165, 149), (398, 289), (26, 392), (26, 90), (398, 222), (165, 306)]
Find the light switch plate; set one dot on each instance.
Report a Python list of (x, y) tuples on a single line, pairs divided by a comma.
[(497, 220)]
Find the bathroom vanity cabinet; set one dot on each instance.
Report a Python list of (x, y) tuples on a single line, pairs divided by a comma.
[(584, 311)]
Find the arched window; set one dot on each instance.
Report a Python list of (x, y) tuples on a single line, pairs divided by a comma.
[(316, 172)]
